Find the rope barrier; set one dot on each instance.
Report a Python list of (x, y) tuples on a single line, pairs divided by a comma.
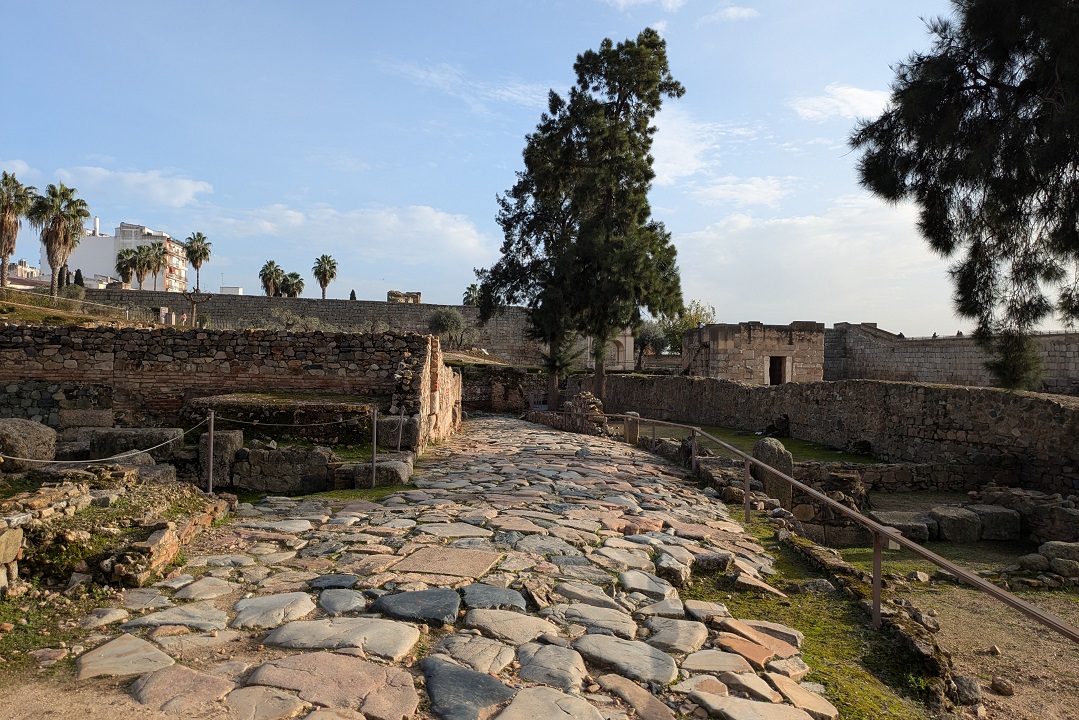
[(129, 453)]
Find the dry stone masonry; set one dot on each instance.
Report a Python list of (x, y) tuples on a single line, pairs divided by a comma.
[(155, 372), (1013, 438)]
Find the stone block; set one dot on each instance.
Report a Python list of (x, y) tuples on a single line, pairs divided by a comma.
[(772, 453), (998, 523), (86, 418), (957, 524), (389, 472), (1056, 549), (288, 469), (914, 526), (25, 439), (226, 444), (109, 442), (846, 535), (10, 544)]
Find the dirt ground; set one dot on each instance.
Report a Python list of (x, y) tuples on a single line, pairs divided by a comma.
[(1042, 665)]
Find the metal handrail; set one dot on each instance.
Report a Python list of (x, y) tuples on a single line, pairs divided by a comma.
[(882, 534)]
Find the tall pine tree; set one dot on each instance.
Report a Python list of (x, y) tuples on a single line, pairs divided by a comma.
[(580, 246)]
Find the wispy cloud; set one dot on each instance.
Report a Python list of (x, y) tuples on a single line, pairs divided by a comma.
[(728, 13), (20, 168), (840, 101), (668, 5), (453, 81), (155, 188), (685, 146), (743, 191)]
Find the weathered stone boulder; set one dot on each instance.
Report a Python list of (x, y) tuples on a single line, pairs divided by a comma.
[(1057, 550), (226, 444), (914, 526), (109, 442), (772, 453), (288, 469), (957, 524), (10, 543), (25, 439), (998, 523)]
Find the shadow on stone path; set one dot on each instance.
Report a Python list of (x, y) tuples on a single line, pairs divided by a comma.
[(529, 573)]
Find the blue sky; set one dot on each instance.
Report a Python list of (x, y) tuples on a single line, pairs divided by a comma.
[(381, 133)]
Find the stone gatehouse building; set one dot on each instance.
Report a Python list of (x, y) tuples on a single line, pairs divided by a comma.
[(754, 353)]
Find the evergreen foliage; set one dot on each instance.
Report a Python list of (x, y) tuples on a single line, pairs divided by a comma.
[(981, 134), (580, 248)]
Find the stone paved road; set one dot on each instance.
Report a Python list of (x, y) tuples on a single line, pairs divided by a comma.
[(529, 573)]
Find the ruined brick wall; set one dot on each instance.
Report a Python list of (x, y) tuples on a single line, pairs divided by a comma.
[(1031, 435), (44, 371), (503, 336), (745, 352), (867, 352)]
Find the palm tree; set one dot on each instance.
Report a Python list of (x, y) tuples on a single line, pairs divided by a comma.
[(15, 202), (471, 295), (159, 259), (144, 263), (197, 249), (271, 276), (325, 271), (292, 285), (58, 215), (125, 264)]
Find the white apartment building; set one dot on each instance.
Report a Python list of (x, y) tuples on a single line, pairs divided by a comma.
[(96, 254)]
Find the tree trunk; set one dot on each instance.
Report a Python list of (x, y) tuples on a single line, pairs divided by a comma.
[(198, 283), (599, 382), (323, 292), (4, 271), (639, 365), (552, 391)]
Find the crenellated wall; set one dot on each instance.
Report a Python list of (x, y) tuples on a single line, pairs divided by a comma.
[(1036, 434)]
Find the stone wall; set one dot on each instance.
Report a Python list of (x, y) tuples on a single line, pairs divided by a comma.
[(499, 388), (503, 336), (867, 352), (755, 353), (1030, 438), (155, 372)]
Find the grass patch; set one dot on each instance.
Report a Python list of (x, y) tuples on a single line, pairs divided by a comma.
[(802, 450), (983, 555), (13, 485), (43, 620), (867, 675), (371, 494)]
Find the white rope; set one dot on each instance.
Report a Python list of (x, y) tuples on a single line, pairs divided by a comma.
[(129, 453)]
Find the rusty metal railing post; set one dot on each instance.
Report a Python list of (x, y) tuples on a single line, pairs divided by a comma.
[(653, 436), (878, 546), (210, 455), (745, 495), (374, 444), (693, 451), (625, 429)]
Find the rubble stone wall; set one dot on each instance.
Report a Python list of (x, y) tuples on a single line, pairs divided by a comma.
[(867, 352), (154, 372), (1021, 439), (504, 335)]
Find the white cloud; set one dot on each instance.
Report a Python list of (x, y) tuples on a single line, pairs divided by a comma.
[(683, 146), (860, 260), (743, 191), (152, 187), (20, 168), (668, 5), (840, 101), (728, 13), (453, 81)]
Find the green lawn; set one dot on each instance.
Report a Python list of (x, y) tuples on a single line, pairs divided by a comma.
[(802, 450)]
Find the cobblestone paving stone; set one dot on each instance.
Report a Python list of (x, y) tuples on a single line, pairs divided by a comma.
[(567, 551)]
